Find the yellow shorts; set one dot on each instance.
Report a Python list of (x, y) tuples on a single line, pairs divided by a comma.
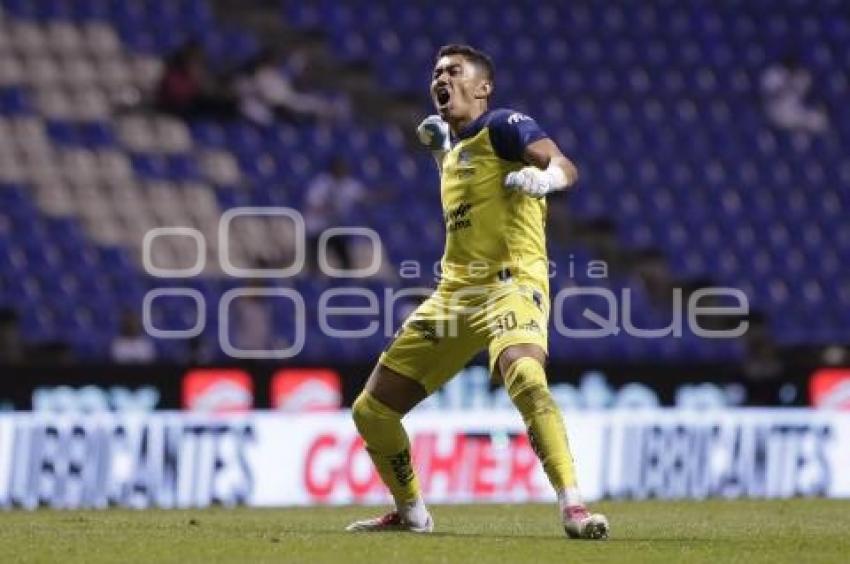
[(450, 327)]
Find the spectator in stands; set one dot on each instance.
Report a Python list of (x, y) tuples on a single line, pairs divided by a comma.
[(132, 346), (331, 199), (653, 271), (763, 366), (835, 355), (784, 88), (10, 339), (188, 89), (265, 93), (252, 323)]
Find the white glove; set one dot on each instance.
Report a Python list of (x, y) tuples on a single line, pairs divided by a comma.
[(536, 182), (433, 132)]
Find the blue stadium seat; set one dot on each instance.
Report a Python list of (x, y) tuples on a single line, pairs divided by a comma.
[(658, 104)]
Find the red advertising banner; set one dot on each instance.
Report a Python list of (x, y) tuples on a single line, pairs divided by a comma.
[(829, 388), (457, 465), (216, 390), (306, 389)]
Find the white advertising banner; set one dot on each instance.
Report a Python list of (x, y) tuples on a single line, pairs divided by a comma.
[(270, 459)]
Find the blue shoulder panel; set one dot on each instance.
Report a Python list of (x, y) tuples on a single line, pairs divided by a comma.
[(511, 132)]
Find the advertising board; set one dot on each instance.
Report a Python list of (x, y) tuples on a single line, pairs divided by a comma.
[(172, 459)]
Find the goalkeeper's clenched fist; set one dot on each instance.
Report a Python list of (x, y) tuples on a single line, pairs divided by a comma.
[(433, 132), (537, 182)]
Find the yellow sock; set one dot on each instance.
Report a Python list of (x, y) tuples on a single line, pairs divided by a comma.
[(526, 384), (387, 445)]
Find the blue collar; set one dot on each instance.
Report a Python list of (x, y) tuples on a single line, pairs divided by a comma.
[(471, 129)]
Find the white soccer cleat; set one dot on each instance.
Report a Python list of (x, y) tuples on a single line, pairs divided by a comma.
[(392, 521), (581, 524)]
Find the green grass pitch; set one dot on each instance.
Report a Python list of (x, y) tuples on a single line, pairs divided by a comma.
[(798, 531)]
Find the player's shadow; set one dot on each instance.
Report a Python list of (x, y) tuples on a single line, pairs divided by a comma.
[(496, 536), (549, 538), (561, 539)]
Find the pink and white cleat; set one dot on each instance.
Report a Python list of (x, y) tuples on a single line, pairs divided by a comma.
[(392, 521), (579, 523)]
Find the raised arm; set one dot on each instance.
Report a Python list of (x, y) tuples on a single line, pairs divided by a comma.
[(544, 154), (549, 170)]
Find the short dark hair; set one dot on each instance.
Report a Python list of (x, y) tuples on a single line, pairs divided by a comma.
[(479, 58)]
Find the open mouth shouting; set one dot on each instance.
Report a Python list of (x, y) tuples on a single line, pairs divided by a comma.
[(443, 97)]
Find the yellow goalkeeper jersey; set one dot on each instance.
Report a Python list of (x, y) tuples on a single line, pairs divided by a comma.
[(492, 233)]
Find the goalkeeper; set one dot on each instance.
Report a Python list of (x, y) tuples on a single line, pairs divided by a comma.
[(496, 168)]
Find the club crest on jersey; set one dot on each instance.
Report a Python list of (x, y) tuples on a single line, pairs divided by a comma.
[(464, 157)]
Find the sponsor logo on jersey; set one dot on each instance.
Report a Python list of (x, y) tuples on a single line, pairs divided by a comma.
[(426, 329), (517, 117), (458, 217), (531, 326)]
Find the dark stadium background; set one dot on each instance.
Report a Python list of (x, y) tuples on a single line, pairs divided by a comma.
[(686, 182), (703, 164)]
